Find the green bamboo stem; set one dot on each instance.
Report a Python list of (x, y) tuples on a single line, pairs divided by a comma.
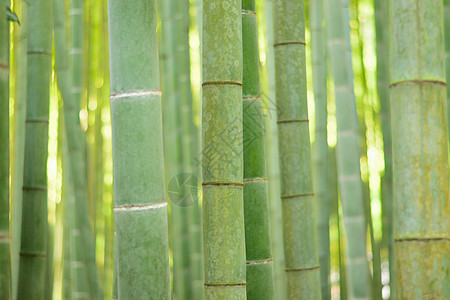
[(222, 160), (348, 150), (18, 136), (172, 139), (272, 162), (33, 254), (5, 239), (76, 142), (256, 207), (447, 51), (77, 257), (138, 158), (300, 244), (420, 149), (320, 156)]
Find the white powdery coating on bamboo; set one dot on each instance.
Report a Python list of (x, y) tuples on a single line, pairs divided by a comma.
[(140, 207), (259, 262), (136, 94)]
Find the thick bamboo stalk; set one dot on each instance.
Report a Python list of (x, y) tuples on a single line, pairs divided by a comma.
[(320, 155), (348, 150), (18, 136), (138, 158), (5, 238), (222, 161), (420, 149), (256, 206), (33, 254), (300, 244), (272, 161)]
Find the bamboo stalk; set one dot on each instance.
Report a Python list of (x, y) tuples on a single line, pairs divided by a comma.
[(18, 136), (33, 254), (5, 238), (138, 159), (348, 150), (256, 208), (222, 161), (420, 149), (300, 244), (320, 156), (447, 51), (272, 162)]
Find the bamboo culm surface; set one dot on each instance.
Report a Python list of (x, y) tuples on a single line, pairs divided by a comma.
[(348, 150), (138, 158), (256, 206), (320, 154), (33, 251), (222, 160), (420, 149), (5, 238), (299, 232)]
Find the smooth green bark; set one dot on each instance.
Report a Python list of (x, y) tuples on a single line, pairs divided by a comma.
[(5, 238), (299, 232), (18, 136), (222, 160), (348, 150), (420, 149), (138, 158), (256, 206), (382, 33), (33, 251), (447, 51), (272, 161), (320, 154)]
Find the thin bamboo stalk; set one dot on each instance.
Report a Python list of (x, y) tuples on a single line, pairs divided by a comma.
[(447, 51), (272, 161), (420, 149), (348, 150), (138, 158), (18, 136), (320, 156), (256, 207), (33, 254), (222, 160), (300, 244), (5, 238)]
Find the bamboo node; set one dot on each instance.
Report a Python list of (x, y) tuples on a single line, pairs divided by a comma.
[(225, 284), (131, 208), (418, 81), (43, 52), (297, 196), (34, 188), (224, 82), (423, 240), (260, 262), (256, 179), (44, 121), (293, 121), (301, 269), (248, 12), (33, 254), (135, 94), (289, 43), (222, 183)]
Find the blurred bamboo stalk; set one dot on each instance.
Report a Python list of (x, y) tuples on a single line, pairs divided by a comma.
[(321, 152), (20, 37), (348, 149), (5, 237)]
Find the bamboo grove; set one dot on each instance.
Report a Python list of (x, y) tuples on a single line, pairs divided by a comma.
[(224, 149)]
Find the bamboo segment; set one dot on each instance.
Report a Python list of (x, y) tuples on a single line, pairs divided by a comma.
[(222, 161), (420, 149), (273, 163), (33, 254), (256, 207), (381, 20), (300, 245), (320, 156), (348, 150), (5, 239), (138, 159), (447, 51), (18, 136)]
